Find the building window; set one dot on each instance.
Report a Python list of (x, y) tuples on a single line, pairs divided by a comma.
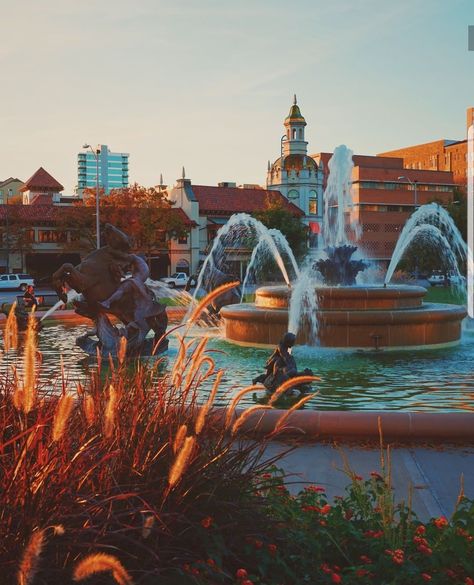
[(183, 239), (294, 133), (51, 237), (301, 133), (313, 207), (294, 196)]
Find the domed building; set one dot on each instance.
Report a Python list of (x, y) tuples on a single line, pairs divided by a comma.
[(296, 175)]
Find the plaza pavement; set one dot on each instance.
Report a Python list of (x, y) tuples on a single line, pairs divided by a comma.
[(432, 473)]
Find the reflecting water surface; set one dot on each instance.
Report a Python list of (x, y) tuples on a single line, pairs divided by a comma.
[(430, 380)]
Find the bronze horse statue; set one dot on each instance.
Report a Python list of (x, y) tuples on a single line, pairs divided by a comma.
[(100, 278)]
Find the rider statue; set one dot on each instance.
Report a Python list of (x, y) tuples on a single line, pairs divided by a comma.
[(106, 289)]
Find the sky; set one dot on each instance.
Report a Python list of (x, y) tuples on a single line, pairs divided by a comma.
[(206, 84)]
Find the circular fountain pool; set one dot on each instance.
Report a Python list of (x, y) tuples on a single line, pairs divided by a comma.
[(429, 381), (393, 317)]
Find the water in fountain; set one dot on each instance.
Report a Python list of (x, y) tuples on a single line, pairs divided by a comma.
[(261, 255), (431, 215), (337, 202), (303, 305), (338, 199), (72, 295), (240, 230)]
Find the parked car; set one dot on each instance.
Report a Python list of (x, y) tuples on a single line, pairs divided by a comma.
[(438, 278), (16, 281), (176, 280)]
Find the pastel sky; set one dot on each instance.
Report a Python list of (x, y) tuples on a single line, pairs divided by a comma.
[(206, 83)]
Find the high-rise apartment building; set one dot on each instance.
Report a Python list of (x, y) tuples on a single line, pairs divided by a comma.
[(113, 169)]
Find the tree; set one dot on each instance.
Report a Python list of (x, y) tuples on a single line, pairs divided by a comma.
[(276, 216), (144, 213), (17, 233), (457, 208)]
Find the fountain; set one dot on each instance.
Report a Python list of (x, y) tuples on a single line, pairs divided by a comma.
[(326, 307)]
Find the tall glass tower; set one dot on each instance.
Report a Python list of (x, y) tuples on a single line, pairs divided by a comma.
[(113, 169)]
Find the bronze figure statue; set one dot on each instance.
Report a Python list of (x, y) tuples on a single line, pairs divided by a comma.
[(105, 289), (281, 366)]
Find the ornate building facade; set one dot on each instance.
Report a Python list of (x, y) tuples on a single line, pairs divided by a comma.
[(296, 175)]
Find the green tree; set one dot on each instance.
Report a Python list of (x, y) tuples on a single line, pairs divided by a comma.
[(457, 208), (277, 216)]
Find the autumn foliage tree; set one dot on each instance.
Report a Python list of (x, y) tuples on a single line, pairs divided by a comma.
[(144, 213)]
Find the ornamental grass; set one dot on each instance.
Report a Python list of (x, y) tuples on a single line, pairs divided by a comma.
[(115, 479)]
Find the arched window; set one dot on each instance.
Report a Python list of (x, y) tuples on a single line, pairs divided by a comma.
[(294, 133), (294, 196), (182, 266), (313, 203), (301, 133)]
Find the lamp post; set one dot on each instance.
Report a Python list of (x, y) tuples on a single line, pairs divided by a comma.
[(7, 234), (414, 185), (97, 219)]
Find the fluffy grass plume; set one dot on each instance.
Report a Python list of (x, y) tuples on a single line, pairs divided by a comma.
[(248, 412), (61, 416), (181, 461), (180, 436), (10, 333), (201, 417), (30, 559), (207, 300), (88, 406), (99, 563), (238, 397), (29, 366), (290, 384), (109, 417)]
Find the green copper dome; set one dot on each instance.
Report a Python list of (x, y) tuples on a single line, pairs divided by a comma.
[(295, 114)]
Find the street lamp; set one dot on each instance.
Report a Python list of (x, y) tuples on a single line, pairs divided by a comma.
[(414, 185), (97, 220)]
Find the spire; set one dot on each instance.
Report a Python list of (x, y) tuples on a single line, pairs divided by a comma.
[(183, 174), (294, 99), (268, 165), (161, 179)]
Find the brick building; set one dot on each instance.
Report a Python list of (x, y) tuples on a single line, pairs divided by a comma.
[(384, 198), (439, 155)]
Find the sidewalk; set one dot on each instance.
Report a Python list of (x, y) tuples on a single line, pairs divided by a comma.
[(434, 473)]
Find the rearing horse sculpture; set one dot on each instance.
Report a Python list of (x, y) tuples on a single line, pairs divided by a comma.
[(100, 280)]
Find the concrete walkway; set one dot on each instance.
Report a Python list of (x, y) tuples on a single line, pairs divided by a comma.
[(434, 474)]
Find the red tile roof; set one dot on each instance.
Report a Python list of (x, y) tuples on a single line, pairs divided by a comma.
[(42, 181), (229, 200), (188, 222), (42, 199), (51, 213), (32, 213)]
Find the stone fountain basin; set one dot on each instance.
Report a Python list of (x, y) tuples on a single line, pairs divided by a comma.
[(350, 318)]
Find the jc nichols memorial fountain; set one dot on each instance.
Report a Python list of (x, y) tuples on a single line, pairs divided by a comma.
[(326, 306)]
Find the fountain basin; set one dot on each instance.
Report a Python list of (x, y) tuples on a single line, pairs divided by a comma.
[(350, 317)]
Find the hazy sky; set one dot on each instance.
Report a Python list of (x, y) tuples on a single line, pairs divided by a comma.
[(206, 83)]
